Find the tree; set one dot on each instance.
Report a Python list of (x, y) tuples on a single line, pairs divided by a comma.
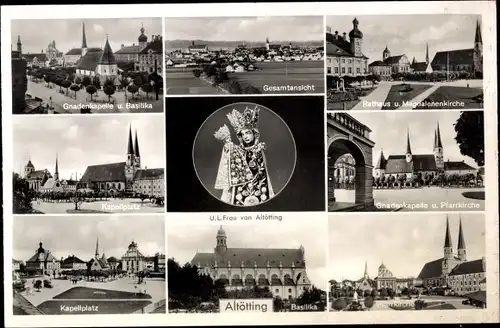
[(86, 81), (369, 302), (78, 80), (66, 84), (75, 88), (22, 195), (470, 135), (96, 81), (58, 82), (47, 79), (147, 88), (313, 296), (91, 89), (339, 304), (278, 304), (132, 89), (109, 90), (138, 81)]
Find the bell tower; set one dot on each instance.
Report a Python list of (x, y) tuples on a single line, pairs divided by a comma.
[(130, 162), (447, 264), (478, 49), (221, 238), (438, 149), (409, 156)]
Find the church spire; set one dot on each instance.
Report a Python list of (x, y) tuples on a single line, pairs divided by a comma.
[(56, 174), (366, 270), (136, 145), (427, 54), (130, 149), (97, 248), (438, 138), (408, 146), (84, 38), (381, 161), (461, 241), (447, 237), (478, 38)]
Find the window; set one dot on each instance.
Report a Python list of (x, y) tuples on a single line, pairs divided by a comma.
[(277, 290), (329, 70), (349, 70), (336, 70), (290, 290), (358, 70), (343, 70)]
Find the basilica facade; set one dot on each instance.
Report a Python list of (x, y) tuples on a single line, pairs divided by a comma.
[(283, 271)]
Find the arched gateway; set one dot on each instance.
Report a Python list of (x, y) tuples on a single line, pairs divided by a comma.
[(346, 135)]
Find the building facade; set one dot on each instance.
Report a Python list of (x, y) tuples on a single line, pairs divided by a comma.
[(345, 167), (125, 176), (390, 64), (43, 262), (35, 178), (99, 263), (73, 263), (131, 53), (133, 261), (454, 270), (346, 57), (283, 271), (410, 164), (19, 79), (470, 60), (73, 56), (151, 56)]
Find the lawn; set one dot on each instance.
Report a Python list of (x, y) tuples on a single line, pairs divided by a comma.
[(448, 93), (99, 307), (86, 293), (474, 195), (346, 105), (396, 96), (445, 306)]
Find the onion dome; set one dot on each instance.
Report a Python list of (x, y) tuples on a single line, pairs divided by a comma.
[(382, 267), (30, 164), (355, 33), (142, 37), (221, 232)]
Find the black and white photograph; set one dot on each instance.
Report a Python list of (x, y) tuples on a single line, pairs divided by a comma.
[(404, 62), (83, 165), (87, 66), (278, 267), (88, 265), (243, 176), (244, 55), (245, 154), (406, 161), (439, 264)]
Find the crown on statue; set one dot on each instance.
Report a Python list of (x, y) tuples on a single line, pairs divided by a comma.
[(246, 120), (222, 133)]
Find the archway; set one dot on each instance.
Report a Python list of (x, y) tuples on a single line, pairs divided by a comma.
[(349, 139)]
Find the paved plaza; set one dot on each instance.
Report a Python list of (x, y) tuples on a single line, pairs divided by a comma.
[(153, 287), (418, 199), (112, 205), (59, 100)]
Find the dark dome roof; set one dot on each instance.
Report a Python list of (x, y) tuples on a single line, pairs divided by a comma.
[(112, 259), (355, 33), (30, 164), (142, 38)]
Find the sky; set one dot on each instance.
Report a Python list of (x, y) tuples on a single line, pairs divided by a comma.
[(80, 141), (67, 235), (421, 125), (68, 32), (408, 34), (404, 243), (185, 240), (289, 28)]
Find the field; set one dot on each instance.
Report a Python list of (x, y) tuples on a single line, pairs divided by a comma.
[(454, 93), (272, 74)]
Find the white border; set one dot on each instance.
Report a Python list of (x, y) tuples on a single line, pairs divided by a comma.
[(485, 8)]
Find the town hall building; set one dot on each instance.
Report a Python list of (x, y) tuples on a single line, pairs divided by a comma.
[(345, 57), (410, 164), (283, 271)]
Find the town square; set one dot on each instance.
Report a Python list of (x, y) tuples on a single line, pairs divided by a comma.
[(405, 68), (92, 66), (89, 271)]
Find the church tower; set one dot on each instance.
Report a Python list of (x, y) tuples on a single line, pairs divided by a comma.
[(427, 54), (356, 39), (380, 167), (137, 156), (462, 254), (129, 164), (56, 173), (438, 149), (143, 39), (221, 247), (386, 53), (409, 156), (97, 248), (28, 168), (447, 264), (267, 43), (19, 45), (366, 276), (478, 49), (84, 41)]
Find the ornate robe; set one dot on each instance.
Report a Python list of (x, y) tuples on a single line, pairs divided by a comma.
[(243, 175)]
